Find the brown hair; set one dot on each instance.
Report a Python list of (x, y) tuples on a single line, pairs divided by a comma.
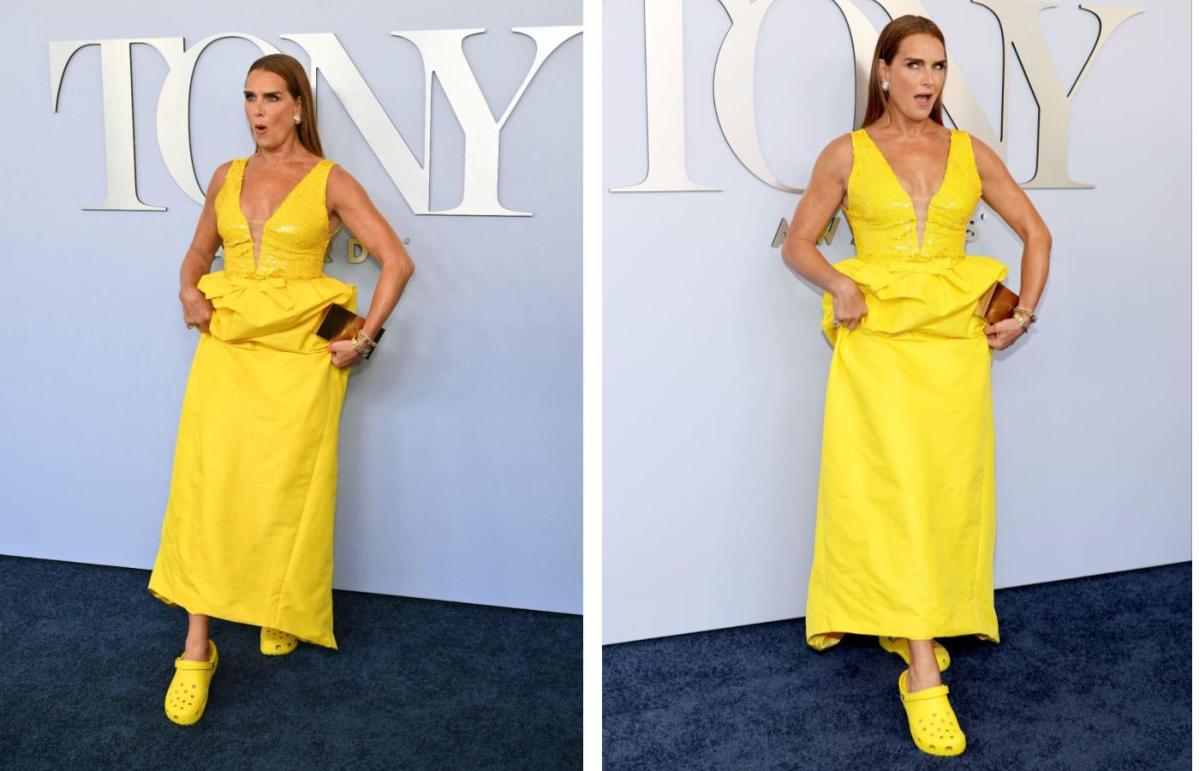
[(886, 48), (293, 74)]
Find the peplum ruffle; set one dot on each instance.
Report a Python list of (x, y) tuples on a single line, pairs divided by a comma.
[(918, 299), (273, 312)]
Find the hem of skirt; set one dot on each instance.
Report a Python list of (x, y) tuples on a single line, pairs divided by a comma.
[(204, 610), (822, 641)]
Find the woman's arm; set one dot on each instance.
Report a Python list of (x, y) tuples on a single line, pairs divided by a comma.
[(353, 206), (825, 191), (198, 260), (1009, 201)]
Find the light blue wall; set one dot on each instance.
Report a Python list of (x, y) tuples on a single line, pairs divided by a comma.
[(715, 367), (461, 440)]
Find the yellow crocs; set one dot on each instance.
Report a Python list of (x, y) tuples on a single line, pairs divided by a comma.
[(272, 642), (899, 645), (188, 694), (933, 725)]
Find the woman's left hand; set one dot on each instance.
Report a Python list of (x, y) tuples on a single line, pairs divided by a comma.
[(1003, 333), (342, 354)]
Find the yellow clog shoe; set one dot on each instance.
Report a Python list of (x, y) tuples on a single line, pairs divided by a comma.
[(899, 645), (933, 725), (188, 694), (272, 642)]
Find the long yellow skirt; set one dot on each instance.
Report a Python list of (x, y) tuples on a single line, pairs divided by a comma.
[(248, 530), (905, 513)]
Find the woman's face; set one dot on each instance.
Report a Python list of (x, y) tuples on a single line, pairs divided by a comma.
[(917, 69), (270, 109)]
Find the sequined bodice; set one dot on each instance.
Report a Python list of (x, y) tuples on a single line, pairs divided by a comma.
[(293, 239), (883, 217)]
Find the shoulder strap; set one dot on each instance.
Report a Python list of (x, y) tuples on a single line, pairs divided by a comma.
[(968, 160), (237, 169), (859, 147), (855, 138), (320, 176)]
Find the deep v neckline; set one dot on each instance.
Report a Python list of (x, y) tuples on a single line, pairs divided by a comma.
[(922, 236), (256, 246)]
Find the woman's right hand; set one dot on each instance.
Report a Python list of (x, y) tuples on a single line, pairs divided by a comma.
[(849, 305), (197, 309)]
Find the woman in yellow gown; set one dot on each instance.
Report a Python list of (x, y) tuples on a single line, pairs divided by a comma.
[(905, 515), (248, 530)]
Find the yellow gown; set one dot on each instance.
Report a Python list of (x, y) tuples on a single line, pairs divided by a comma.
[(248, 530), (905, 513)]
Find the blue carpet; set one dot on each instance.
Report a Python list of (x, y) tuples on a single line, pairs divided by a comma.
[(1091, 673), (417, 684)]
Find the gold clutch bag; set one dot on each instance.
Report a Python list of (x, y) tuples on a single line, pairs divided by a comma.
[(339, 323), (997, 304)]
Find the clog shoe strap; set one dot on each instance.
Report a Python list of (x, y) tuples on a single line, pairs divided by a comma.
[(182, 663), (925, 694)]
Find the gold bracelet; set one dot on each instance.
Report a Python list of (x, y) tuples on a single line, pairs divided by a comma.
[(1028, 311), (362, 343), (1022, 322)]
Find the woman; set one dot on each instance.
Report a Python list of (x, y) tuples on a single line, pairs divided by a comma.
[(905, 523), (248, 530)]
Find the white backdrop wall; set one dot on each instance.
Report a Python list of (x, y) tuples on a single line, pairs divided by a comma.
[(715, 368), (461, 440)]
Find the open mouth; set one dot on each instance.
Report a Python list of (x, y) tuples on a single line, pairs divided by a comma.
[(924, 99), (259, 128)]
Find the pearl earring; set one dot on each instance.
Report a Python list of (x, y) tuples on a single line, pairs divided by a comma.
[(297, 120), (886, 86)]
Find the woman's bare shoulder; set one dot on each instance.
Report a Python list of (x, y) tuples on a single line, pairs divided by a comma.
[(344, 191), (218, 177), (979, 146), (836, 159), (341, 179), (841, 147), (985, 158)]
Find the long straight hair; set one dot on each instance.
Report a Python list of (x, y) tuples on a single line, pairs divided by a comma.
[(293, 74), (886, 48)]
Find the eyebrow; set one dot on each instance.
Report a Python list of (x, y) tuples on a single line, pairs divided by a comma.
[(910, 59), (248, 92)]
